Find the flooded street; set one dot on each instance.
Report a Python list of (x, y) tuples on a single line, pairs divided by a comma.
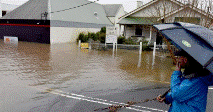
[(62, 77)]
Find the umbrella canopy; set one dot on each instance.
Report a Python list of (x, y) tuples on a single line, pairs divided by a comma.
[(196, 40)]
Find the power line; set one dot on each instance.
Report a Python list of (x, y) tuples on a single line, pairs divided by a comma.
[(75, 7)]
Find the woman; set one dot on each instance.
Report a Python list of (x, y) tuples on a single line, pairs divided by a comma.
[(188, 89)]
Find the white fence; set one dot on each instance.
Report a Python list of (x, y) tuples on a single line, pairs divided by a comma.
[(114, 46)]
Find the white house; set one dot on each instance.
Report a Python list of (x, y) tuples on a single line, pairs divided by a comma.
[(138, 23)]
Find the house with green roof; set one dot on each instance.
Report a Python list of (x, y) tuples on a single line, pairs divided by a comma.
[(138, 23)]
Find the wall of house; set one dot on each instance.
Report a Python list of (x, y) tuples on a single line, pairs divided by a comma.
[(154, 35), (156, 9), (187, 13), (67, 34), (120, 13), (130, 31), (112, 20), (29, 33)]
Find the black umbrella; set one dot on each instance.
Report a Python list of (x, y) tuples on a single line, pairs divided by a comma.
[(196, 40)]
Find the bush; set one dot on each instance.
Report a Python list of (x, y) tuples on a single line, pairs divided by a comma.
[(94, 36), (89, 35), (145, 42), (103, 30), (83, 37), (80, 36), (98, 33), (129, 41), (121, 40), (102, 37), (146, 48)]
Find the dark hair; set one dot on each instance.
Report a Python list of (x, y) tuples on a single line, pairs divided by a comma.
[(194, 67)]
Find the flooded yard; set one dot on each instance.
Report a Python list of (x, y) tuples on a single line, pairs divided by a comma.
[(32, 72)]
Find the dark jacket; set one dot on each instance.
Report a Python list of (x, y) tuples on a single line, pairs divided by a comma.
[(188, 95)]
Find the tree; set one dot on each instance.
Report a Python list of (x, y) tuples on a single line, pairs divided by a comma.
[(162, 8), (205, 6)]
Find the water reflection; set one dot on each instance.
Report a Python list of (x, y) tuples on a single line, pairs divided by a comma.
[(55, 64), (29, 66), (139, 60), (159, 70)]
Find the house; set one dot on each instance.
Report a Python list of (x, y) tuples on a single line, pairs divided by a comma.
[(138, 23), (53, 21), (113, 13)]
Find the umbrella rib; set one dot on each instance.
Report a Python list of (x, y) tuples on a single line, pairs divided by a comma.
[(209, 62)]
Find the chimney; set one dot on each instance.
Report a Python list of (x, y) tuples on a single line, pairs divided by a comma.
[(139, 4)]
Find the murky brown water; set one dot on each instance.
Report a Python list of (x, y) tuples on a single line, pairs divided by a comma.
[(28, 65)]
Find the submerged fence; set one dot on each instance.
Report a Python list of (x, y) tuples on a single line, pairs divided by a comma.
[(114, 46), (161, 51), (158, 50)]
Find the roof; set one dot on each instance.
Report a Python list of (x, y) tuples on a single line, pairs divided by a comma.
[(29, 10), (196, 21), (58, 23), (111, 9), (146, 5), (193, 8), (90, 13), (81, 11), (139, 20)]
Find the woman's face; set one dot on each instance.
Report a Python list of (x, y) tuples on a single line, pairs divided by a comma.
[(182, 61)]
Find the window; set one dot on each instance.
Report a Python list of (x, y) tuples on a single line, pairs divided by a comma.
[(138, 31)]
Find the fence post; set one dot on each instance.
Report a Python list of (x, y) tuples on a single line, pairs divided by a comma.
[(79, 43), (140, 50), (90, 45), (154, 50), (116, 46), (113, 47)]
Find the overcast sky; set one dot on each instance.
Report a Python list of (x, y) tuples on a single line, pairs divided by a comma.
[(129, 5)]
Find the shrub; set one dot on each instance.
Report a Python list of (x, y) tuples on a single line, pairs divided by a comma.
[(103, 30), (102, 37), (98, 33), (94, 36), (80, 36), (89, 35), (145, 42), (121, 40), (83, 37), (129, 41), (146, 48)]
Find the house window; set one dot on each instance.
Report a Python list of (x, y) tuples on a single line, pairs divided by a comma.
[(138, 31)]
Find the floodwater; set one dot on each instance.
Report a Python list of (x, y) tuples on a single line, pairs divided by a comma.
[(30, 70)]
